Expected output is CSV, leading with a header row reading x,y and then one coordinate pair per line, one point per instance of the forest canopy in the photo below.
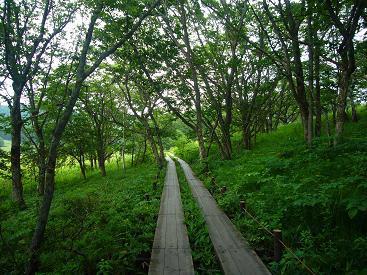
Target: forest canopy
x,y
90,82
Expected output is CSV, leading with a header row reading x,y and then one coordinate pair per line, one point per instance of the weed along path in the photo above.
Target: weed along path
x,y
234,254
171,253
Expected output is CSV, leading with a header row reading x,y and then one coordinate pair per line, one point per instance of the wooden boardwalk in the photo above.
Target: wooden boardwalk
x,y
171,253
234,254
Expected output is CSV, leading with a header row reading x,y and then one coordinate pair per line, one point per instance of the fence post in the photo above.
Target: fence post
x,y
223,189
243,206
278,247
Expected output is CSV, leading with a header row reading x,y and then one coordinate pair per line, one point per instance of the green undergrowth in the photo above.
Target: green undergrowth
x,y
317,196
101,225
203,254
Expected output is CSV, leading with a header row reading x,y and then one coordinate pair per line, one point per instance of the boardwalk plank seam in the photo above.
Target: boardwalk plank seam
x,y
233,251
171,253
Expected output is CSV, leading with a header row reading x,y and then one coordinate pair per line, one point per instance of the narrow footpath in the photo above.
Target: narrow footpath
x,y
234,253
171,253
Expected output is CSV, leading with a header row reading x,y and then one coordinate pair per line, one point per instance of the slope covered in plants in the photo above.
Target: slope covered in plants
x,y
317,196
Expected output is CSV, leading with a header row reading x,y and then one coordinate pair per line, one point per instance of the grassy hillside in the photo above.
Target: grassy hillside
x,y
99,225
318,196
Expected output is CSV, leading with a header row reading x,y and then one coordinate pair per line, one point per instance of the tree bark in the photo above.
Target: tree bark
x,y
101,155
16,137
82,168
159,141
152,144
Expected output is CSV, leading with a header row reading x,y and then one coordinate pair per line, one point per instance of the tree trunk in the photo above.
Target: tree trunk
x,y
44,210
145,149
246,137
92,163
16,136
328,130
41,176
42,155
101,163
82,168
123,160
189,57
132,154
226,143
353,105
317,96
159,141
152,143
310,74
341,105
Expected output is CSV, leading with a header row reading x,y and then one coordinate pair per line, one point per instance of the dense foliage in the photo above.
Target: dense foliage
x,y
214,81
316,196
96,226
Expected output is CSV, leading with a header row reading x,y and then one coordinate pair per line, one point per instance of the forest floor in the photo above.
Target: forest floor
x,y
98,225
317,196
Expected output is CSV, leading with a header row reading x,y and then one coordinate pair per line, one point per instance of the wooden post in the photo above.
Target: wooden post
x,y
223,189
146,196
243,206
278,247
212,180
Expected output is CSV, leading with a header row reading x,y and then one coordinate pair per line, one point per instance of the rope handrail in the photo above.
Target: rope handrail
x,y
281,242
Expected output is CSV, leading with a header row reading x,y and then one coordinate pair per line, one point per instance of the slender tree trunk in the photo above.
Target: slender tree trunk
x,y
82,168
353,105
310,74
83,161
341,105
317,96
159,141
41,176
226,143
132,154
123,159
16,136
328,128
44,210
92,162
101,163
101,150
42,154
305,123
189,57
246,137
145,149
152,143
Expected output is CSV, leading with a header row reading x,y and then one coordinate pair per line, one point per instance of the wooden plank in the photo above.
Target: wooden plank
x,y
171,253
233,251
